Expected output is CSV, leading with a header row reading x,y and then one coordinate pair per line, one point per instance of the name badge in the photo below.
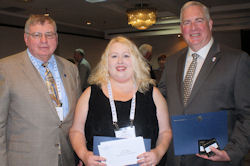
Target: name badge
x,y
125,132
59,111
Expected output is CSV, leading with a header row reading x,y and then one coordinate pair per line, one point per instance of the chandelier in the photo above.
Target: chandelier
x,y
141,18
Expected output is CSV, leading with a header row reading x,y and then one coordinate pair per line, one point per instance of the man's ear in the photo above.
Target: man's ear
x,y
25,36
210,24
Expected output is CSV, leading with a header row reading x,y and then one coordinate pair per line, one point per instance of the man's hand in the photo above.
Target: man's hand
x,y
220,155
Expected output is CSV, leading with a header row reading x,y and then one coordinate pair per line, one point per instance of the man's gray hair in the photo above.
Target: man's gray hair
x,y
145,48
195,3
81,51
39,19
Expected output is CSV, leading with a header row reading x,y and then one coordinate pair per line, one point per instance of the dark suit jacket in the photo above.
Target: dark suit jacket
x,y
30,129
223,84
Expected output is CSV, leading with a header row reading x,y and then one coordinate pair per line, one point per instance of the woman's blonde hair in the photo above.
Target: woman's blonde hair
x,y
100,75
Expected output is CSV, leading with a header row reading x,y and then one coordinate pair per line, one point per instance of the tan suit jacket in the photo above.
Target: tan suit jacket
x,y
30,130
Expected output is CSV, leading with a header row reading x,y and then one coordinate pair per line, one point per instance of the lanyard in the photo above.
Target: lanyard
x,y
113,108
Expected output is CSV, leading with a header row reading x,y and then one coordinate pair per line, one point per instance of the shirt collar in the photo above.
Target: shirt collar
x,y
39,63
203,51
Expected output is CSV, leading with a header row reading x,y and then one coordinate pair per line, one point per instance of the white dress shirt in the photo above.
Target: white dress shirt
x,y
202,56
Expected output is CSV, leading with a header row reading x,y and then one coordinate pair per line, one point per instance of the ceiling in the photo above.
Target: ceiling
x,y
109,17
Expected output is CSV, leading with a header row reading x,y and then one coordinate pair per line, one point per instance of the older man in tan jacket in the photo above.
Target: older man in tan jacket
x,y
38,94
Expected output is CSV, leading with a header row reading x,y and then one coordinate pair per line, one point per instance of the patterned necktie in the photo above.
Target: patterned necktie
x,y
189,78
51,85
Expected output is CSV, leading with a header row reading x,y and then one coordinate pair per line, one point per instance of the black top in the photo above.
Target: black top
x,y
99,119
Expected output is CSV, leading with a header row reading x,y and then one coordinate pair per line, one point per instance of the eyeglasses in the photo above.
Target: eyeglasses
x,y
38,35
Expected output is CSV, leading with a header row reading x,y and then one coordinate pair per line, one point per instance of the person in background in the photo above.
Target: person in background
x,y
38,95
83,67
122,77
221,81
146,51
161,62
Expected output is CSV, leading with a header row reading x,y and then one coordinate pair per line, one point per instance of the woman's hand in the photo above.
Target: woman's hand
x,y
90,159
148,158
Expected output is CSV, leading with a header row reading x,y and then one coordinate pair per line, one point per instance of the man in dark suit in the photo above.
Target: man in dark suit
x,y
220,81
38,95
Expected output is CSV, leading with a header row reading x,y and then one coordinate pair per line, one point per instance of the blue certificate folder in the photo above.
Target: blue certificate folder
x,y
99,139
188,129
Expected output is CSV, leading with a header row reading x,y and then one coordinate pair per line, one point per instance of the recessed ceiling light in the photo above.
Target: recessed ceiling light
x,y
88,23
46,12
26,1
95,1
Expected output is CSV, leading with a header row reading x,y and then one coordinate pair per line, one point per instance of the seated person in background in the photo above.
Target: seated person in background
x,y
121,76
161,62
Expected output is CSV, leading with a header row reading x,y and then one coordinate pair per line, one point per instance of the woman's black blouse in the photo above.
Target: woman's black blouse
x,y
99,118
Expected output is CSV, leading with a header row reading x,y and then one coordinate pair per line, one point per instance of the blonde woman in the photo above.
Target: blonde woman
x,y
122,77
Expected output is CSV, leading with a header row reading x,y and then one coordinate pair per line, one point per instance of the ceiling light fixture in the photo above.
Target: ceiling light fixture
x,y
141,17
46,12
88,23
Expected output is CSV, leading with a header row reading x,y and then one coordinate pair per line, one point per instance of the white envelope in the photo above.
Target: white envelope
x,y
122,152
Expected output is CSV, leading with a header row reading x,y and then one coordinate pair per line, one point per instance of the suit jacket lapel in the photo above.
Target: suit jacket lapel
x,y
212,58
65,79
180,72
36,80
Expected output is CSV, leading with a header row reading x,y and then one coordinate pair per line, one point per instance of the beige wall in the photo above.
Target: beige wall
x,y
11,41
171,43
162,44
93,47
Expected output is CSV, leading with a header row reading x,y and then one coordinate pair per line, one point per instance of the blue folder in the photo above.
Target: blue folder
x,y
99,139
188,129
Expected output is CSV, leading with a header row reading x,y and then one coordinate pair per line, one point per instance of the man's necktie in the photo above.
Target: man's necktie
x,y
51,85
189,78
